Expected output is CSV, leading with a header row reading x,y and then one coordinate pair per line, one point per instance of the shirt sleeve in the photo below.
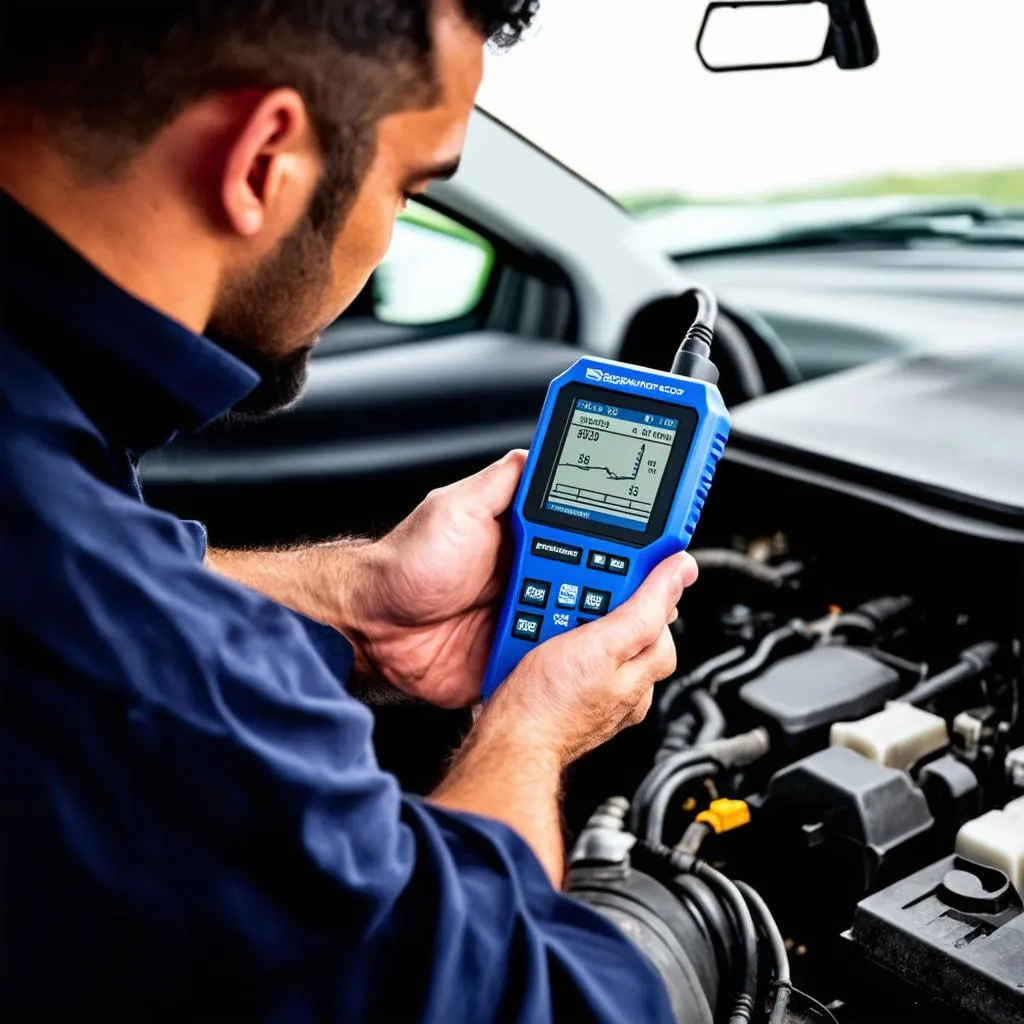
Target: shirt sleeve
x,y
335,650
203,831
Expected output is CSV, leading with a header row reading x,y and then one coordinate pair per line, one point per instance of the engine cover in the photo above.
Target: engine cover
x,y
798,698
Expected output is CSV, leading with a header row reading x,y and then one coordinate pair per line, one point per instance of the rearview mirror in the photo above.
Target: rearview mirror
x,y
753,35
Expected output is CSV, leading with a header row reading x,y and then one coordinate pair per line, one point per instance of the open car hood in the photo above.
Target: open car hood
x,y
940,433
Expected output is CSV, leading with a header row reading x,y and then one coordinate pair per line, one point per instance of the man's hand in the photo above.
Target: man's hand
x,y
419,605
439,576
564,698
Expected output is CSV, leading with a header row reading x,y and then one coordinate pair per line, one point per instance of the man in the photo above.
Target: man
x,y
194,825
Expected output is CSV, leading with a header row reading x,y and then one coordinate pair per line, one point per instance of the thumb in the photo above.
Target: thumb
x,y
494,487
637,623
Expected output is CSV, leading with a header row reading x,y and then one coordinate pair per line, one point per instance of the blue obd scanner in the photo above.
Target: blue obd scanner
x,y
618,472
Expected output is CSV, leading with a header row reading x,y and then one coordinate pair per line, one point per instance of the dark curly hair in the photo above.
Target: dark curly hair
x,y
104,76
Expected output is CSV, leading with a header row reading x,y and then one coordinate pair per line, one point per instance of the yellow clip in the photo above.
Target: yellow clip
x,y
724,814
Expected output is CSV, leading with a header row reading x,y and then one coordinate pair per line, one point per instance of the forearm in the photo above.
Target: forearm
x,y
324,581
518,784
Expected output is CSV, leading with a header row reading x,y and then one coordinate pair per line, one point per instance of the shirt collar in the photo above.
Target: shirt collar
x,y
141,376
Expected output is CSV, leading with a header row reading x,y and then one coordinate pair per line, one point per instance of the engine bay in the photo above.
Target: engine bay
x,y
843,745
864,539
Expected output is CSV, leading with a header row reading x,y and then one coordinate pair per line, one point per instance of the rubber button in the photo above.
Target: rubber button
x,y
595,602
618,565
526,626
556,550
535,593
597,560
567,596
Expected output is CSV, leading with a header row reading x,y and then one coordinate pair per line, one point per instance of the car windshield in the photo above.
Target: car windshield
x,y
616,93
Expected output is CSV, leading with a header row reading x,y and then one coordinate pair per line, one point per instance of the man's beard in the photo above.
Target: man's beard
x,y
282,379
257,317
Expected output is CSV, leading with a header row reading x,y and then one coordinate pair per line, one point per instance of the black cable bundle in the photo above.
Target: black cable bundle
x,y
749,915
737,910
654,794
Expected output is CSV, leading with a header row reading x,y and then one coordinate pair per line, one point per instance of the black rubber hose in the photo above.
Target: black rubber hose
x,y
693,838
712,719
657,777
715,919
872,615
780,1005
915,668
739,562
654,823
700,675
680,733
931,688
763,653
678,736
724,753
743,1007
972,663
783,984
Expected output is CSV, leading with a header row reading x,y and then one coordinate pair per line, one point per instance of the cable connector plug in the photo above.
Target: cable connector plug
x,y
692,359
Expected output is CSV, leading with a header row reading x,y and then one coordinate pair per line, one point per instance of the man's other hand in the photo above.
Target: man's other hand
x,y
437,586
564,698
578,689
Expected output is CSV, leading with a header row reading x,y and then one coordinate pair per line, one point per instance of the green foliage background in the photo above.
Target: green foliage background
x,y
1004,186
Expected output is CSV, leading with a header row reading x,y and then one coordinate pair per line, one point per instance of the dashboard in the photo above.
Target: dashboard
x,y
837,308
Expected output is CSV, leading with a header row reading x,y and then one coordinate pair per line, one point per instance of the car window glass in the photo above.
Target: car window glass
x,y
435,270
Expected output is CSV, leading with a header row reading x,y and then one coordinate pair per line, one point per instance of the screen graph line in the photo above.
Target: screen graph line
x,y
637,463
619,455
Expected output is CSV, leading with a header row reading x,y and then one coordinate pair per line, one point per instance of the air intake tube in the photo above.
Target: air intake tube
x,y
667,922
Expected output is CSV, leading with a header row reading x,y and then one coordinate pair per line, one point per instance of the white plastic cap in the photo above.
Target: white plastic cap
x,y
997,840
897,737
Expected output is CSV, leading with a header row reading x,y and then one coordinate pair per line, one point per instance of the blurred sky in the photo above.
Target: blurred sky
x,y
614,89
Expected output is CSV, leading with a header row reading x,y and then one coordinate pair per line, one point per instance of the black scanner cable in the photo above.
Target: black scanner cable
x,y
692,358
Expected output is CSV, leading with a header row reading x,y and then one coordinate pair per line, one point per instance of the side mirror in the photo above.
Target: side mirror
x,y
753,35
435,270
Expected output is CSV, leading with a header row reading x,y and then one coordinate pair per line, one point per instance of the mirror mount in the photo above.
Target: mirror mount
x,y
849,39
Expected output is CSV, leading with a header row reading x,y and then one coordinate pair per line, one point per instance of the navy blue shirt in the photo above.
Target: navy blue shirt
x,y
193,822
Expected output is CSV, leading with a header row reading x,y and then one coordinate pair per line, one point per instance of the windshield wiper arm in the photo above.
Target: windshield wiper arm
x,y
967,221
977,210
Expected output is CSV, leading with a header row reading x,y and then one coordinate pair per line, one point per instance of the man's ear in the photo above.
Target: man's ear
x,y
272,166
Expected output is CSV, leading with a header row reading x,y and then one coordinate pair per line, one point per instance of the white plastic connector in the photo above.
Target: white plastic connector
x,y
897,737
1015,768
997,840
